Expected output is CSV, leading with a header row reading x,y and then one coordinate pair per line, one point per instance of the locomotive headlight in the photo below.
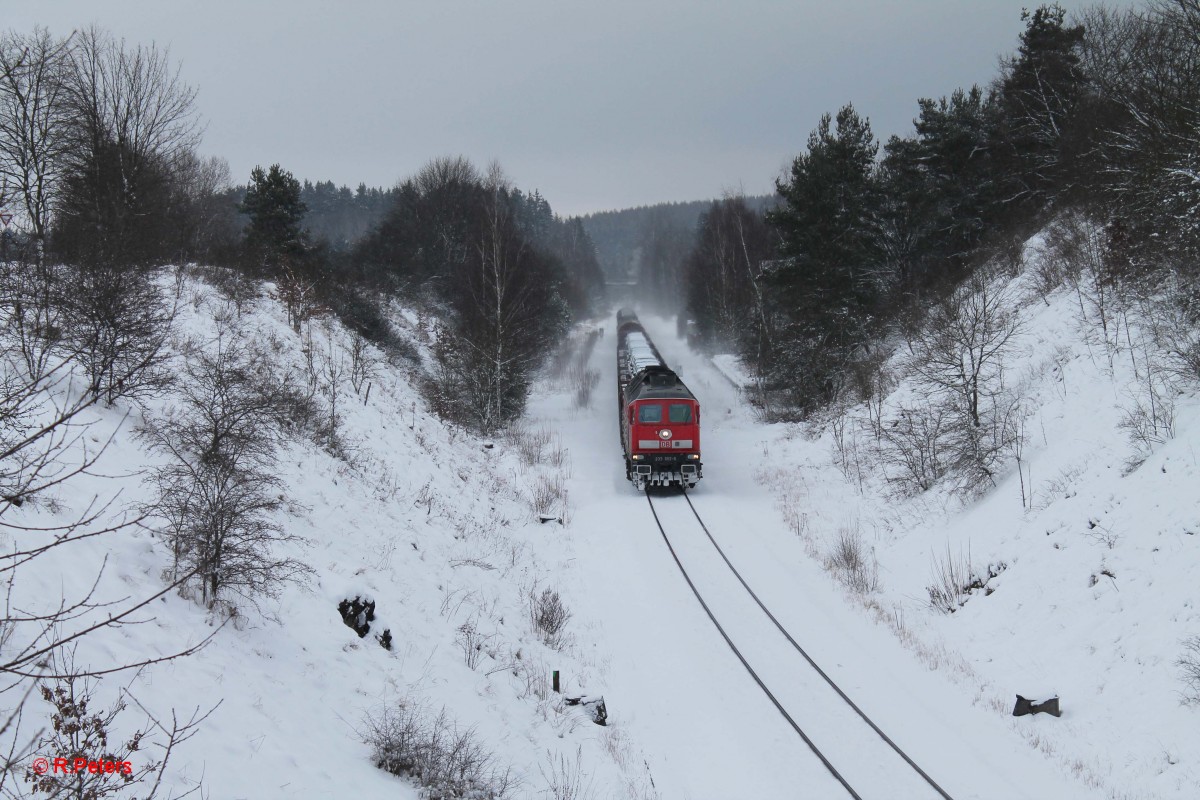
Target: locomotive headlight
x,y
636,457
694,456
665,433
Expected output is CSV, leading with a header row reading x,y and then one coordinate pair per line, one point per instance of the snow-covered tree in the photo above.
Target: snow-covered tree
x,y
1040,90
829,279
217,492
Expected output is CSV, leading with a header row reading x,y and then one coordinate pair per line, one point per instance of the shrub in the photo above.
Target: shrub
x,y
949,578
851,564
217,492
79,730
407,741
585,381
1189,665
471,641
1149,420
955,580
548,498
567,779
535,446
549,615
915,443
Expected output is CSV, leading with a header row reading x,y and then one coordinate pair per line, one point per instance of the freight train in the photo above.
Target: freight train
x,y
660,417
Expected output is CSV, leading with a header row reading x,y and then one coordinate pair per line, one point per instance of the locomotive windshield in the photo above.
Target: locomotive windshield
x,y
680,413
649,413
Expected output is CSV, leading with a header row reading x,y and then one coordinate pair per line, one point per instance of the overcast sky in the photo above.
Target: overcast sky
x,y
599,105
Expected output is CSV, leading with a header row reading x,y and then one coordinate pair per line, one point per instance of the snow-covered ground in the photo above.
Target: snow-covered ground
x,y
441,532
431,524
1094,604
672,682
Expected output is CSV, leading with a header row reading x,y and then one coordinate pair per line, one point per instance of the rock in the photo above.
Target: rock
x,y
594,706
358,614
1025,706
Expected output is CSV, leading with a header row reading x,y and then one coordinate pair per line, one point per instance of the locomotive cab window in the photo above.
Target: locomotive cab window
x,y
680,413
650,414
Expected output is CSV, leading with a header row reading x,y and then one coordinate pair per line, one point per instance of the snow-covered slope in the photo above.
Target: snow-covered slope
x,y
436,526
443,532
1098,536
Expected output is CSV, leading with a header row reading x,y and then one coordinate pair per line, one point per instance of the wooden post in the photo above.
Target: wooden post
x,y
555,679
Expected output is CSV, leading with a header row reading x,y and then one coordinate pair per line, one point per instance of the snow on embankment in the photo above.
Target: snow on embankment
x,y
437,528
731,368
1068,562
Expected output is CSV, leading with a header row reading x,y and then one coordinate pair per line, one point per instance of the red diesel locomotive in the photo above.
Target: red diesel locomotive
x,y
660,417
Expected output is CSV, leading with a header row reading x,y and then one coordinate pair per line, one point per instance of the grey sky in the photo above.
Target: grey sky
x,y
605,104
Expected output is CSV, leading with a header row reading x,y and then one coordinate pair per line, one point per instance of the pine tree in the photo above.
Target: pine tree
x,y
829,279
1038,97
274,236
941,190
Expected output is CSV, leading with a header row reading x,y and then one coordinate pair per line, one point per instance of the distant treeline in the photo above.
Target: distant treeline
x,y
340,216
337,216
646,241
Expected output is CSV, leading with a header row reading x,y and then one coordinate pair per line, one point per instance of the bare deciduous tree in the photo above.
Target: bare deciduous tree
x,y
33,126
362,365
132,128
31,296
914,444
505,310
328,370
962,350
218,492
118,323
726,298
496,296
299,296
57,326
209,228
959,359
46,440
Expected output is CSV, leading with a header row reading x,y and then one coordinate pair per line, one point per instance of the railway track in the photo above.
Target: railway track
x,y
814,706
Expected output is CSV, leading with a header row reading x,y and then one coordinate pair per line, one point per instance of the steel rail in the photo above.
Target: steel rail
x,y
795,726
809,658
